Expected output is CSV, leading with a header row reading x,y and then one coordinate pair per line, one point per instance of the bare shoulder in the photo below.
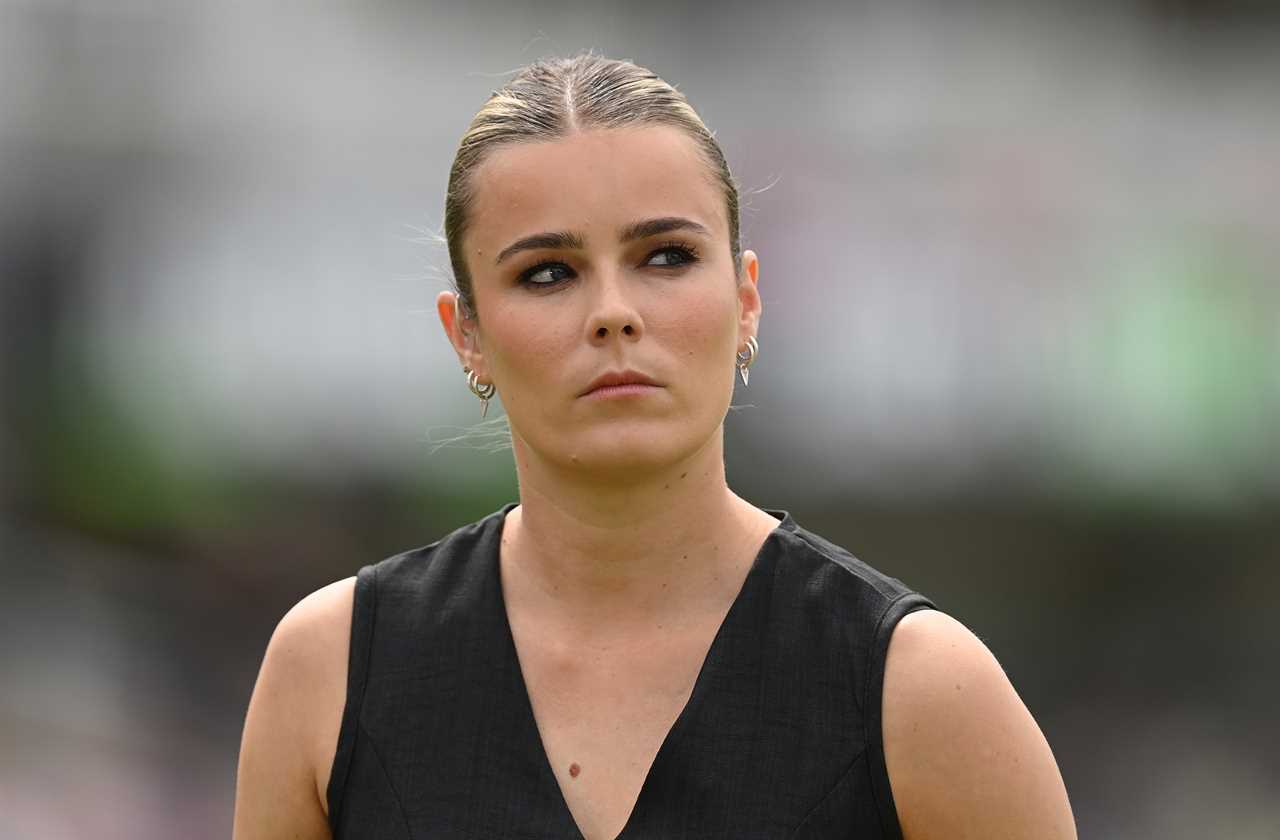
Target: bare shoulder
x,y
315,633
965,757
291,729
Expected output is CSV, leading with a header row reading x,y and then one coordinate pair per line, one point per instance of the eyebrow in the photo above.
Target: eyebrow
x,y
573,241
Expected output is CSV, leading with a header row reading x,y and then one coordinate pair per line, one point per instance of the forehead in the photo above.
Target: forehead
x,y
591,182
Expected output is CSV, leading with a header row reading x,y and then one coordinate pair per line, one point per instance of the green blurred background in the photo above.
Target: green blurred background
x,y
1021,349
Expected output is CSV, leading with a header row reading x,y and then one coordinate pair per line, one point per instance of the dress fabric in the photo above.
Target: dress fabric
x,y
780,737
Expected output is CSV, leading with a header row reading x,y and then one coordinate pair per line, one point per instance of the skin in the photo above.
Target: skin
x,y
628,546
965,757
635,480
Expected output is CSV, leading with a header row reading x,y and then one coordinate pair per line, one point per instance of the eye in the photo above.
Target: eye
x,y
673,255
545,274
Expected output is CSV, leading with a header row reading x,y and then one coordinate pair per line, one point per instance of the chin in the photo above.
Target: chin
x,y
628,449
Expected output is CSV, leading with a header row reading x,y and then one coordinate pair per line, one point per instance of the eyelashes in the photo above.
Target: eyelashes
x,y
687,254
554,273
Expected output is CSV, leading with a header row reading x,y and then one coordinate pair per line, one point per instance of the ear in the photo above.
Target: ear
x,y
749,303
462,330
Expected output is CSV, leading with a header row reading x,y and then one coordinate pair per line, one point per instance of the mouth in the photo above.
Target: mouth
x,y
621,383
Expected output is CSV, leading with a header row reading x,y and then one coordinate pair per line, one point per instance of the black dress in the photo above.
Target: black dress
x,y
780,737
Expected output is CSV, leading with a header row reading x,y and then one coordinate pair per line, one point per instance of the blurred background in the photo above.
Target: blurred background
x,y
1021,349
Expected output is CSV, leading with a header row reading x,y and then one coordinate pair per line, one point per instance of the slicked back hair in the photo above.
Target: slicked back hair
x,y
554,98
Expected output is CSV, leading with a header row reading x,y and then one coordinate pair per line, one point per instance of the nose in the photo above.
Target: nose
x,y
613,314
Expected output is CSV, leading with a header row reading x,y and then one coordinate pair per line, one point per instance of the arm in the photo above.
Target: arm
x,y
965,757
291,729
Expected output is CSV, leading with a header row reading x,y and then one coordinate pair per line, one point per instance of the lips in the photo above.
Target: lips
x,y
625,377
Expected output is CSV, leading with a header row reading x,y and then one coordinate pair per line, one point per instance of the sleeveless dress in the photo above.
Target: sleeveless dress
x,y
780,737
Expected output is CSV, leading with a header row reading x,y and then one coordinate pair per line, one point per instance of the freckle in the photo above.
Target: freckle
x,y
684,557
666,487
683,474
574,770
957,686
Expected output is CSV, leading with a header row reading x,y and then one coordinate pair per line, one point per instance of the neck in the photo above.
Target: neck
x,y
665,541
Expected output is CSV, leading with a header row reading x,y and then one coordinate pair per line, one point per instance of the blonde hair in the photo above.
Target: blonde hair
x,y
554,98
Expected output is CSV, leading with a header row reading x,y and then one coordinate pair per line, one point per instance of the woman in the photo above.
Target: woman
x,y
632,650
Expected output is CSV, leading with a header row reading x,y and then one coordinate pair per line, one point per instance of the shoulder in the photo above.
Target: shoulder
x,y
965,758
825,562
291,728
310,649
312,638
413,572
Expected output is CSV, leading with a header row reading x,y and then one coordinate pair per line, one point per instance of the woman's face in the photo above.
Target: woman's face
x,y
600,253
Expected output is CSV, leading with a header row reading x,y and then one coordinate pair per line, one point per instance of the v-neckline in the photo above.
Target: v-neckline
x,y
516,671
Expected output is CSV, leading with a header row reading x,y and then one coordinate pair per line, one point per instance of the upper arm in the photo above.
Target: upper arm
x,y
965,758
291,729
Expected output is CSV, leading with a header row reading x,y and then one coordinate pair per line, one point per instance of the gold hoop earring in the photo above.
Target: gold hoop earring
x,y
484,391
746,357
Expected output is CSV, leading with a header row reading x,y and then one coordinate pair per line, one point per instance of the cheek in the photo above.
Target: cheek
x,y
524,347
702,326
